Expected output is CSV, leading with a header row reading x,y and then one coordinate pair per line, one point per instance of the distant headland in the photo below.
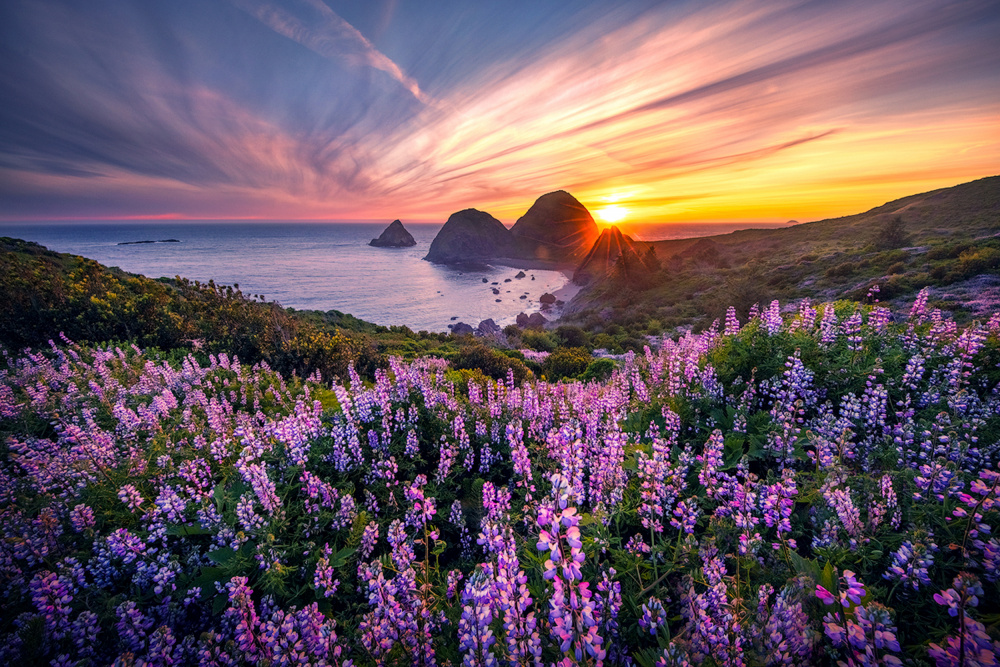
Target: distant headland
x,y
150,241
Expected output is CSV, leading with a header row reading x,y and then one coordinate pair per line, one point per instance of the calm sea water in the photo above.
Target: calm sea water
x,y
323,266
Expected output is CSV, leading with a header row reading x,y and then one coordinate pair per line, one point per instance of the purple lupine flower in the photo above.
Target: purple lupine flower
x,y
81,518
571,615
475,638
653,616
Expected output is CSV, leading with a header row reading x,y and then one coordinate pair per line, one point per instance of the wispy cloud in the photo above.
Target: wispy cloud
x,y
317,27
738,109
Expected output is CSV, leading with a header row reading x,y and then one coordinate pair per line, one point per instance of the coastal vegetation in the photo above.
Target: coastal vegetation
x,y
944,240
800,489
192,475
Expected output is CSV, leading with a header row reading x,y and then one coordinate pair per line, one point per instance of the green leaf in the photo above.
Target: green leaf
x,y
219,494
188,531
828,578
732,452
807,566
339,559
222,556
439,547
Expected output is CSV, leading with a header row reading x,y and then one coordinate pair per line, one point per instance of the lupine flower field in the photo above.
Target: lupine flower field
x,y
818,486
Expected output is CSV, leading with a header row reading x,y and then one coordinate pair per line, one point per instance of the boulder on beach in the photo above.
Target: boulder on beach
x,y
547,298
470,236
394,236
488,328
520,274
462,329
557,228
521,320
536,320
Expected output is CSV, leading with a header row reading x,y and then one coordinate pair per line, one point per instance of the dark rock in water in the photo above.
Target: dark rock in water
x,y
557,227
532,277
454,318
536,320
494,283
523,296
506,280
488,328
522,320
394,236
470,236
462,329
485,280
547,298
520,274
496,291
499,300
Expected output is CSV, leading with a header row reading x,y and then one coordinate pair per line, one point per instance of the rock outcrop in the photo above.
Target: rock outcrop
x,y
557,228
462,329
394,236
470,236
615,252
488,328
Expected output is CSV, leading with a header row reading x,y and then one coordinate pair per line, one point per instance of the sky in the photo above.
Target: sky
x,y
415,109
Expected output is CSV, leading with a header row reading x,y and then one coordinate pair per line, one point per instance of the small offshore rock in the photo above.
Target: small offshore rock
x,y
394,236
520,274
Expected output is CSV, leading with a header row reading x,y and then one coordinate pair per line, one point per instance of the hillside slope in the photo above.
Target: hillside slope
x,y
948,240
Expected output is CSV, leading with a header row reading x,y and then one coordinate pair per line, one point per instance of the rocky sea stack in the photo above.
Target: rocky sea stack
x,y
556,228
470,236
394,236
614,251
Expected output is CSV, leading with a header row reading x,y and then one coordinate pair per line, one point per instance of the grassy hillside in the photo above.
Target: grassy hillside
x,y
45,295
946,240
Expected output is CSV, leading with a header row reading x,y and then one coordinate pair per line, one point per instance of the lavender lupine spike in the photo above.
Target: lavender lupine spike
x,y
475,638
571,615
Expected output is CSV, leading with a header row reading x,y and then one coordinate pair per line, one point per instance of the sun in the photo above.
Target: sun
x,y
613,213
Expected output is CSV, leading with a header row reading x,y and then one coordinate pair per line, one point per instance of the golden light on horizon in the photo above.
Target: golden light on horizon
x,y
612,213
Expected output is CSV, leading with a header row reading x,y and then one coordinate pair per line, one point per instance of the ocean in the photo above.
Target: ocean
x,y
326,265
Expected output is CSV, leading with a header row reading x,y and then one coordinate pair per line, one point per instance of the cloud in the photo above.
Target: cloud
x,y
697,111
315,26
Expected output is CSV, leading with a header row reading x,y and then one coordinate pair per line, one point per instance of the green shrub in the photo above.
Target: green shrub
x,y
599,370
566,362
542,341
490,362
571,336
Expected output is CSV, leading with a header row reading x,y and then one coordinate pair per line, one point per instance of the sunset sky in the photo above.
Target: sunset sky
x,y
413,109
